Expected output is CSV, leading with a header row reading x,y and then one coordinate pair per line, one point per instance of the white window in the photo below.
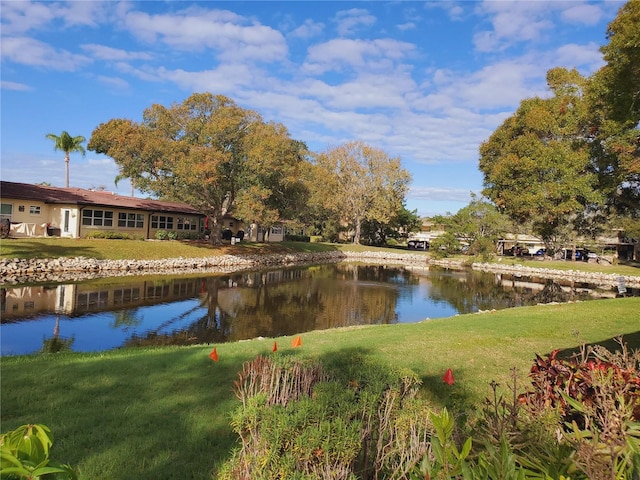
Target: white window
x,y
162,222
34,209
97,218
277,230
186,223
131,220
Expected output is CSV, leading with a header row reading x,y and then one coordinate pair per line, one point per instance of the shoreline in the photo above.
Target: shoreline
x,y
17,271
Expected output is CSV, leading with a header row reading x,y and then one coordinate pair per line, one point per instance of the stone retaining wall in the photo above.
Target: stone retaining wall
x,y
17,271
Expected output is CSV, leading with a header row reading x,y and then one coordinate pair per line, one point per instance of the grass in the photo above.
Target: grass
x,y
163,413
104,249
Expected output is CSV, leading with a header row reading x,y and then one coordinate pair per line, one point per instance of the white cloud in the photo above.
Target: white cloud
x,y
20,17
14,86
574,55
348,21
114,82
439,194
103,52
233,37
308,29
512,22
76,13
339,53
587,14
406,26
29,51
226,79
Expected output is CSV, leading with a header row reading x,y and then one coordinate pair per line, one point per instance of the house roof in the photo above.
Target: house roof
x,y
84,198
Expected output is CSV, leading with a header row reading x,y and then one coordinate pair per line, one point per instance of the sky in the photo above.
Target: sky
x,y
427,82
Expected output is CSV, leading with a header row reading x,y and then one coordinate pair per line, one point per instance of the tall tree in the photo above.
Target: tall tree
x,y
536,165
207,152
615,117
359,182
68,144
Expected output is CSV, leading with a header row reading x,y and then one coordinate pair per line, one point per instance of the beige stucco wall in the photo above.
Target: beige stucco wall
x,y
25,223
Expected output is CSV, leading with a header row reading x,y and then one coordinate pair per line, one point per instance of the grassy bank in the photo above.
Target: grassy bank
x,y
103,249
163,413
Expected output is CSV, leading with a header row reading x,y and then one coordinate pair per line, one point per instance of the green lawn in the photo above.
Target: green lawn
x,y
103,249
163,413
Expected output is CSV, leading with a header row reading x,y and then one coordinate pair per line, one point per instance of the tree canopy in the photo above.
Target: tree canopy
x,y
615,113
359,182
210,153
536,165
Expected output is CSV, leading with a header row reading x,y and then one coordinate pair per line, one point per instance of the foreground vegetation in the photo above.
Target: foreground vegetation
x,y
165,413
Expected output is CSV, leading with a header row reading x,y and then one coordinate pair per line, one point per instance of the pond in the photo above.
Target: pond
x,y
137,311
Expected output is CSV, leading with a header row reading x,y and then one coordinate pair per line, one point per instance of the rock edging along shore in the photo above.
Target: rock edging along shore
x,y
16,271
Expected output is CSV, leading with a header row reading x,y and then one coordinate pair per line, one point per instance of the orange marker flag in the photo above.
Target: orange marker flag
x,y
296,342
275,347
448,377
214,355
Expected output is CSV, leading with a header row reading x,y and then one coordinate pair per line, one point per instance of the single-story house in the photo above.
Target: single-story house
x,y
37,210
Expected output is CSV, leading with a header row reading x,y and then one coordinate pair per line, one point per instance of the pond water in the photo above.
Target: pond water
x,y
137,311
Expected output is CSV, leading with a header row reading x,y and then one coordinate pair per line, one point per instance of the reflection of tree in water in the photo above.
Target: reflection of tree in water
x,y
469,290
127,318
553,292
285,302
56,344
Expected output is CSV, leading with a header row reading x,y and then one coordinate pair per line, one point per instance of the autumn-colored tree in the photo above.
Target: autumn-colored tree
x,y
67,144
536,165
210,153
358,182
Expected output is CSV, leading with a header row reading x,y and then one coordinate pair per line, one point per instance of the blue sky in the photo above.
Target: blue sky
x,y
424,81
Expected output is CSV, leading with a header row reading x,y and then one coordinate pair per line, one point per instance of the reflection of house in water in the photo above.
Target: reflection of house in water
x,y
71,300
77,299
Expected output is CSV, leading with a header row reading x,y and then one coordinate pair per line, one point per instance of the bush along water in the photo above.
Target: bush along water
x,y
350,418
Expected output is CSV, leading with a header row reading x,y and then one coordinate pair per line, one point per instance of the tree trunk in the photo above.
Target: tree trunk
x,y
66,170
356,236
215,235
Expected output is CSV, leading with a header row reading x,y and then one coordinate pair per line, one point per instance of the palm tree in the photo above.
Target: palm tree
x,y
67,144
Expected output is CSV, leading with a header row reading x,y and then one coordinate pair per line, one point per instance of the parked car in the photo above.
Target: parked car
x,y
418,245
541,252
517,251
581,254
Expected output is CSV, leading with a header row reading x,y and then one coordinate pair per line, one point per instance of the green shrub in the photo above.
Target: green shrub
x,y
161,235
298,238
351,418
303,420
25,455
444,245
109,235
391,242
171,235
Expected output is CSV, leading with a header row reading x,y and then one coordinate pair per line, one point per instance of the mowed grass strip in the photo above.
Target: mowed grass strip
x,y
164,412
